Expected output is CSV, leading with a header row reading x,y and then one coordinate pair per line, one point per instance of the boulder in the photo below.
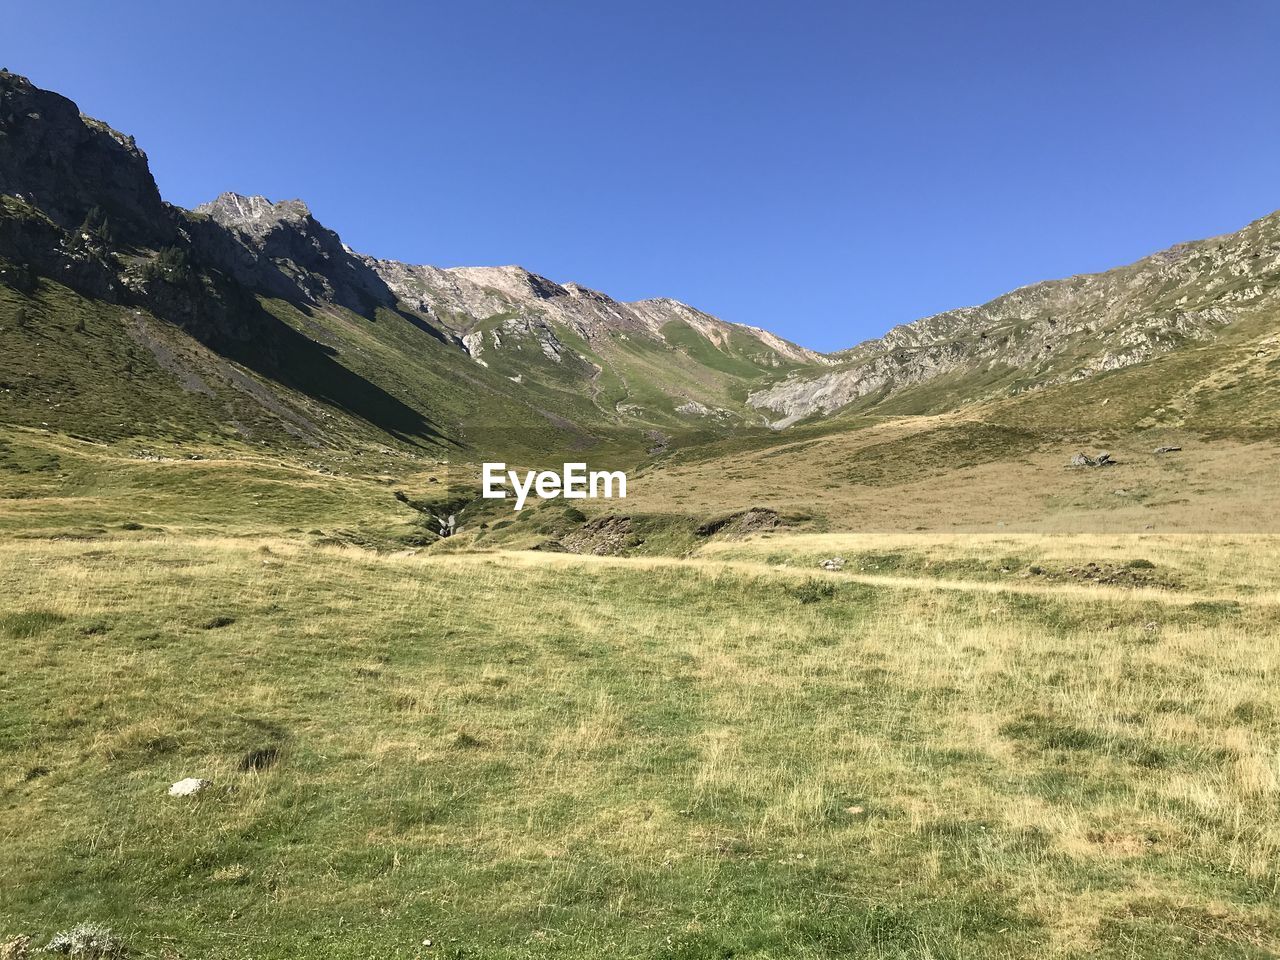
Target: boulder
x,y
833,564
189,787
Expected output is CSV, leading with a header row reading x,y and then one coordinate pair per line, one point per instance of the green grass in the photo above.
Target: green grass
x,y
961,747
526,756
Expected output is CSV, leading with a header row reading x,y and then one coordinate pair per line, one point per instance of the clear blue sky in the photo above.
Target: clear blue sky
x,y
823,169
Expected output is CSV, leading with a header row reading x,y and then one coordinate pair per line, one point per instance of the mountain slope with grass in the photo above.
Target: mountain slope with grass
x,y
250,321
1007,461
1055,332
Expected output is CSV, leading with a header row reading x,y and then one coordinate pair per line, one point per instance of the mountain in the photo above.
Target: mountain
x,y
251,320
1058,331
247,320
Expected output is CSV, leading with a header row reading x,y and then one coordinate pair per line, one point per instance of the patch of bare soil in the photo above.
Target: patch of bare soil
x,y
603,537
735,525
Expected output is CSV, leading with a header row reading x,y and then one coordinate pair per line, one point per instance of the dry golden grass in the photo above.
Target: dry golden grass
x,y
519,754
873,479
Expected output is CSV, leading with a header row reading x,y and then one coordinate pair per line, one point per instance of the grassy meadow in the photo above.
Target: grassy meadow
x,y
936,752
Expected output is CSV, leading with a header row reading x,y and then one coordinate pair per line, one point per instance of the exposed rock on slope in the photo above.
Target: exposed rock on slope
x,y
1059,330
280,248
458,296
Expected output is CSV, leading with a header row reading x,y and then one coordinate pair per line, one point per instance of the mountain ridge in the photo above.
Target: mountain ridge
x,y
258,218
1135,312
493,355
339,344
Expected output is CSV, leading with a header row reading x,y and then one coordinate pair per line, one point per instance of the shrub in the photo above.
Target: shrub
x,y
96,227
172,265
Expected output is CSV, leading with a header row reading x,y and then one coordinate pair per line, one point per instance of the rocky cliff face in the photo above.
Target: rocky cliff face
x,y
281,249
66,164
1057,331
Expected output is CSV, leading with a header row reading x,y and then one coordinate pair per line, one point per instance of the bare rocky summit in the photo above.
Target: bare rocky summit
x,y
457,294
282,249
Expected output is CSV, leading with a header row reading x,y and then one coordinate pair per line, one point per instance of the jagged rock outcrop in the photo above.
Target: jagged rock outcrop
x,y
281,249
66,164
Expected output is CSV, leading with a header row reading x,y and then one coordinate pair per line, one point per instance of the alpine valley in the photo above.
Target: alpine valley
x,y
960,643
246,326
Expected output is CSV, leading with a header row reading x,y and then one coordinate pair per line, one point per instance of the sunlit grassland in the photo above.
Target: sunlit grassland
x,y
952,473
520,755
1181,568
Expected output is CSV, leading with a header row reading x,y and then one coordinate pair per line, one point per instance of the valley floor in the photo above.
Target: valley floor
x,y
957,746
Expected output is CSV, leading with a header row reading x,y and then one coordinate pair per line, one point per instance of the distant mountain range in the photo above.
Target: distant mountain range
x,y
248,320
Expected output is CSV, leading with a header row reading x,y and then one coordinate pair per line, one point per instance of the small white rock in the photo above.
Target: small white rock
x,y
189,787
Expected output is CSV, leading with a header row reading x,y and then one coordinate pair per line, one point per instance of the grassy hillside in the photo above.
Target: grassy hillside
x,y
307,379
1052,333
1004,462
107,372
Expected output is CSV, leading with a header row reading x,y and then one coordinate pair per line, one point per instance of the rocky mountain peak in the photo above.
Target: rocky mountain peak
x,y
279,247
255,216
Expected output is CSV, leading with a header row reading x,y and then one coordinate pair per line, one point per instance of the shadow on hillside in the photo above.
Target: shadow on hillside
x,y
422,325
239,328
298,362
